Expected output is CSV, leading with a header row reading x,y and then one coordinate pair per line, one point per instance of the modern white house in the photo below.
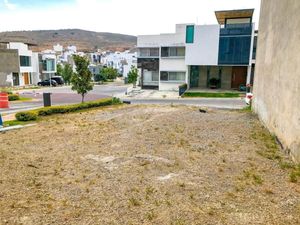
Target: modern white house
x,y
26,69
47,62
122,61
202,56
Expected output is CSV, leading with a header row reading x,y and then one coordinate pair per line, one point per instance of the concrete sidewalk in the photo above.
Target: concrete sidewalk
x,y
138,93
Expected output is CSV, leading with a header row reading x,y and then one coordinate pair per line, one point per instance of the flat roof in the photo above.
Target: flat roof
x,y
237,13
19,41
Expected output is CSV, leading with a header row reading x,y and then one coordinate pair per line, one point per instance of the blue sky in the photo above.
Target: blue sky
x,y
118,16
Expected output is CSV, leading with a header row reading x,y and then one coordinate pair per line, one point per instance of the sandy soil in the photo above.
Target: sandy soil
x,y
146,165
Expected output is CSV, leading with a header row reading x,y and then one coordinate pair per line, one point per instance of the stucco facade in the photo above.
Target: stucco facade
x,y
202,56
277,76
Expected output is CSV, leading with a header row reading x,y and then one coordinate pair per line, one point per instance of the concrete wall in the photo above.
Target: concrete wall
x,y
205,49
9,61
277,75
226,77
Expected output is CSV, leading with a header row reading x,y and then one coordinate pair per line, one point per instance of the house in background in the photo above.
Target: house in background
x,y
24,66
121,61
47,64
203,56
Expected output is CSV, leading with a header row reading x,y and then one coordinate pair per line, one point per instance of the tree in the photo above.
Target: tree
x,y
81,80
67,73
109,73
133,75
59,69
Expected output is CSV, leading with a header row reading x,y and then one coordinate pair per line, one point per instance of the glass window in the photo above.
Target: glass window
x,y
144,52
177,76
172,76
164,76
164,52
25,61
49,65
172,51
181,51
190,34
154,52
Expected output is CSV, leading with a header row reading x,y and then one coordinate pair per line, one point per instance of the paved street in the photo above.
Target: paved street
x,y
64,95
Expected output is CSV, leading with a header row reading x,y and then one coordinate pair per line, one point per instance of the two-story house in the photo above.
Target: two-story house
x,y
202,56
24,70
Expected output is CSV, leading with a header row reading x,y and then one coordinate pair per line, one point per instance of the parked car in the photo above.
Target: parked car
x,y
47,83
59,80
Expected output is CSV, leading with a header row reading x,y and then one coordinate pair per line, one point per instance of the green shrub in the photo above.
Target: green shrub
x,y
47,111
13,97
26,116
183,86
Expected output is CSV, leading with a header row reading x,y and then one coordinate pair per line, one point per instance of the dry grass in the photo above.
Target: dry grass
x,y
146,165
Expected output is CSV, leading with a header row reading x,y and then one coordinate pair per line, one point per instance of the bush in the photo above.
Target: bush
x,y
183,86
47,111
26,116
13,97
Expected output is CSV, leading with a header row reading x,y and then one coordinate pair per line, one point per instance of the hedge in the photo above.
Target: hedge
x,y
26,116
13,97
46,111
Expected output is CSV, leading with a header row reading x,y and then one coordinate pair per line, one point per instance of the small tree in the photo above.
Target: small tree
x,y
67,73
59,69
82,80
133,75
109,73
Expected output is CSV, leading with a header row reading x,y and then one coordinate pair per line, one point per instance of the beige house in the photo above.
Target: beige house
x,y
277,77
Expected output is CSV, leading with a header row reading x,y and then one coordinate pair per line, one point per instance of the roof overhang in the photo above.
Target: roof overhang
x,y
239,13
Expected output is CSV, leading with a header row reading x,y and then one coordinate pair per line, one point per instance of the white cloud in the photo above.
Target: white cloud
x,y
9,5
118,16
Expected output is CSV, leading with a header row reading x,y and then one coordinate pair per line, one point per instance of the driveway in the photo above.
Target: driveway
x,y
138,96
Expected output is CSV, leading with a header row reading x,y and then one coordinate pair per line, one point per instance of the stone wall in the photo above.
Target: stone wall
x,y
277,75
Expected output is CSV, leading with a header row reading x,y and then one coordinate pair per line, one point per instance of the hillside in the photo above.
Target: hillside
x,y
84,40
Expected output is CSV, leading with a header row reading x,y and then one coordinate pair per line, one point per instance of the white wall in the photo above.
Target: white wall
x,y
205,49
148,41
172,64
169,40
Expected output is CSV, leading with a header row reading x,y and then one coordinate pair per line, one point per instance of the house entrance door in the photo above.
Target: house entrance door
x,y
239,76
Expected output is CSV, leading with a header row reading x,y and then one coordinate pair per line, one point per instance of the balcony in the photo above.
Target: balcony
x,y
173,52
148,53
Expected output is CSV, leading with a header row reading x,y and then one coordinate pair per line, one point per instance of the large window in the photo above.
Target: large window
x,y
190,34
148,52
172,51
172,76
25,61
49,65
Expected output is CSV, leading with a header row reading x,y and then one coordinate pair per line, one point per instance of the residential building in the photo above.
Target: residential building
x,y
130,59
95,70
21,67
47,64
277,76
121,61
203,56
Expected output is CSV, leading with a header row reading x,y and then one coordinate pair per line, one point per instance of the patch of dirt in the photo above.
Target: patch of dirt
x,y
146,165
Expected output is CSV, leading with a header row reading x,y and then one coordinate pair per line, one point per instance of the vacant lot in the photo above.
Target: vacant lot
x,y
146,165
